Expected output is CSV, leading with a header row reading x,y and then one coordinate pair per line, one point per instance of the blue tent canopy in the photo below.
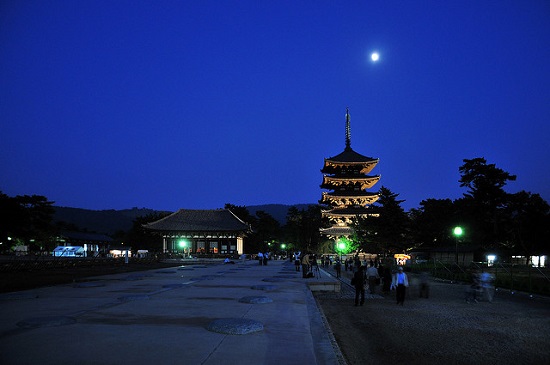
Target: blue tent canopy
x,y
68,251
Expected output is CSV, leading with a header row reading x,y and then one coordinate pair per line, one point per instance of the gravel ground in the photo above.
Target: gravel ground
x,y
514,329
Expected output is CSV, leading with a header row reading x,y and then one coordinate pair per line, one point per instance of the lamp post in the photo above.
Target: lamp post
x,y
183,246
458,232
341,247
283,248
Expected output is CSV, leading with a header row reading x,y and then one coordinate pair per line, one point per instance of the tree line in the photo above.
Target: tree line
x,y
491,218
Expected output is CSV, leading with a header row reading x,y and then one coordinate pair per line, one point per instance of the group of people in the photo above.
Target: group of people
x,y
307,262
482,285
263,258
369,276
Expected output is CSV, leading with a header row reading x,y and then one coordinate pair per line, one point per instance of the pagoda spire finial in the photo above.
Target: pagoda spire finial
x,y
348,131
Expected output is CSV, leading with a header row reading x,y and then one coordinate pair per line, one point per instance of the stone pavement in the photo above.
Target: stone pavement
x,y
192,314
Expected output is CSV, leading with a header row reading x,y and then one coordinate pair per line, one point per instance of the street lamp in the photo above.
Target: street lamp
x,y
283,247
183,245
341,247
458,232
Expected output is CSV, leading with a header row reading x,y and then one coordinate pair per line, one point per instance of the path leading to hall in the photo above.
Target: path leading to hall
x,y
193,314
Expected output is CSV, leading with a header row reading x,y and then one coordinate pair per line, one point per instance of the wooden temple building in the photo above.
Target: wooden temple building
x,y
201,232
347,178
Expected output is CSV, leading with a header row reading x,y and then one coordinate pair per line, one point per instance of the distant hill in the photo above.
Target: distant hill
x,y
100,221
277,211
110,221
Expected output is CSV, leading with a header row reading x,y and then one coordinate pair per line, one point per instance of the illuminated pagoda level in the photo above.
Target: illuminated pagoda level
x,y
346,176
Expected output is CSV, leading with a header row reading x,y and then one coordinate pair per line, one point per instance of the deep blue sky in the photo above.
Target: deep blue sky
x,y
194,104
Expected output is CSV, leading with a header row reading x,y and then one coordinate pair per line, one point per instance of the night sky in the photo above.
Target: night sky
x,y
194,104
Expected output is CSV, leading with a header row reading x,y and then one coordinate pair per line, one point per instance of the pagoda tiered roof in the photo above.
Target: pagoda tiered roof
x,y
349,158
365,182
348,211
348,198
337,231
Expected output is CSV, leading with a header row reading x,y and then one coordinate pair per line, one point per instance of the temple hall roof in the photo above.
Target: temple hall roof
x,y
199,221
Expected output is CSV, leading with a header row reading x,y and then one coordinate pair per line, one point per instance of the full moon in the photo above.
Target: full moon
x,y
375,56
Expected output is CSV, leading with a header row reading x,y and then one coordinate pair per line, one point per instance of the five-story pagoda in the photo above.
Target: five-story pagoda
x,y
346,176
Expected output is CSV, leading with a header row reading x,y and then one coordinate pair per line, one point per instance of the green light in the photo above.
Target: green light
x,y
182,243
283,246
341,245
457,231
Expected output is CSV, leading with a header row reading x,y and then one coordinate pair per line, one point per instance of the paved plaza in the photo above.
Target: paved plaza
x,y
239,313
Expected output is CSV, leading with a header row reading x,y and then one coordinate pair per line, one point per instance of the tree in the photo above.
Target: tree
x,y
387,232
267,230
529,223
28,220
241,212
302,227
431,222
484,181
485,198
140,238
253,242
344,246
9,213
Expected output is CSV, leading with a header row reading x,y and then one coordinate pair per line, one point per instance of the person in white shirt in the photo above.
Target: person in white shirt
x,y
261,258
400,282
297,263
372,276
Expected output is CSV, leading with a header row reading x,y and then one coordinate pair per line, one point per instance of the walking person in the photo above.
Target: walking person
x,y
314,265
338,268
305,265
356,263
358,281
297,261
372,276
400,282
486,282
473,289
424,284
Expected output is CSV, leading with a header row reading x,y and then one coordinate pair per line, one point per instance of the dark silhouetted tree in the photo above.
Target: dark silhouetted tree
x,y
386,233
302,228
266,231
431,224
140,238
528,226
242,213
485,199
28,220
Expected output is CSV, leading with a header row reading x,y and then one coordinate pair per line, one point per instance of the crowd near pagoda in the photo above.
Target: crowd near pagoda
x,y
347,178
